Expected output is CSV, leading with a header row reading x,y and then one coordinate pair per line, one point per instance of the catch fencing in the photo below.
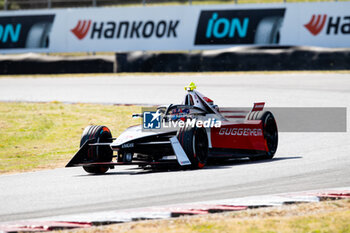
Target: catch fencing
x,y
42,4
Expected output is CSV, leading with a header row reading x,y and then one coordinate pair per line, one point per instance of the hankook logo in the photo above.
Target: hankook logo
x,y
125,29
81,29
316,24
334,25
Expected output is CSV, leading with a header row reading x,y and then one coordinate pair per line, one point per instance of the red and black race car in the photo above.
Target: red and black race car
x,y
187,135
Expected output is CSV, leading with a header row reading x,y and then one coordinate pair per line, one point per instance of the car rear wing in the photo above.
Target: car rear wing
x,y
258,106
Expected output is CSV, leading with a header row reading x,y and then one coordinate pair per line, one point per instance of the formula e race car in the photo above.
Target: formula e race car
x,y
186,135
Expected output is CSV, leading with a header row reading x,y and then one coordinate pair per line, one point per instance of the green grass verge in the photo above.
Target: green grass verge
x,y
46,135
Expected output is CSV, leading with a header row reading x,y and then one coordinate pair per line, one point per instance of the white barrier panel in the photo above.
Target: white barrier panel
x,y
175,27
317,24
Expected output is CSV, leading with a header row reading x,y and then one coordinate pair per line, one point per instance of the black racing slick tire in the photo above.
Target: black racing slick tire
x,y
194,141
270,133
99,134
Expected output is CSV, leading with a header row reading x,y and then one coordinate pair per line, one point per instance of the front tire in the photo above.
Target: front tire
x,y
99,134
194,141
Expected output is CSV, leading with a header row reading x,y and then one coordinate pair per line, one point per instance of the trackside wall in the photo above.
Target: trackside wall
x,y
175,28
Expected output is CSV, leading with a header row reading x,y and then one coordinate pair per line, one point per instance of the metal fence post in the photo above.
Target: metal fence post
x,y
144,2
48,3
190,2
5,5
94,3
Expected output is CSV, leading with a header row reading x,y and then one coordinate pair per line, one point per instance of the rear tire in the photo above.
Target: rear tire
x,y
100,134
194,141
270,132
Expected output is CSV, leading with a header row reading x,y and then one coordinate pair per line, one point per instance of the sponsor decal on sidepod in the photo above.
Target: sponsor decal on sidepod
x,y
240,132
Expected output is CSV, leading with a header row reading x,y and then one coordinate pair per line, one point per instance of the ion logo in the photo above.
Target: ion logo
x,y
316,24
239,27
81,29
151,120
29,31
10,32
223,27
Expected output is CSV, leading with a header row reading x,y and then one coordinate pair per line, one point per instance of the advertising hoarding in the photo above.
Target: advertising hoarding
x,y
175,28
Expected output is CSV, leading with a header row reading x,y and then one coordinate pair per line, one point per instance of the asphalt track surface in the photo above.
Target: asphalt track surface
x,y
304,161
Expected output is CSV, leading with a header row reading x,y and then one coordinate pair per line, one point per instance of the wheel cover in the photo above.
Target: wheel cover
x,y
103,153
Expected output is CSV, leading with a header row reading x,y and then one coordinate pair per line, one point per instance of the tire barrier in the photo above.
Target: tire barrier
x,y
237,59
45,64
234,59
